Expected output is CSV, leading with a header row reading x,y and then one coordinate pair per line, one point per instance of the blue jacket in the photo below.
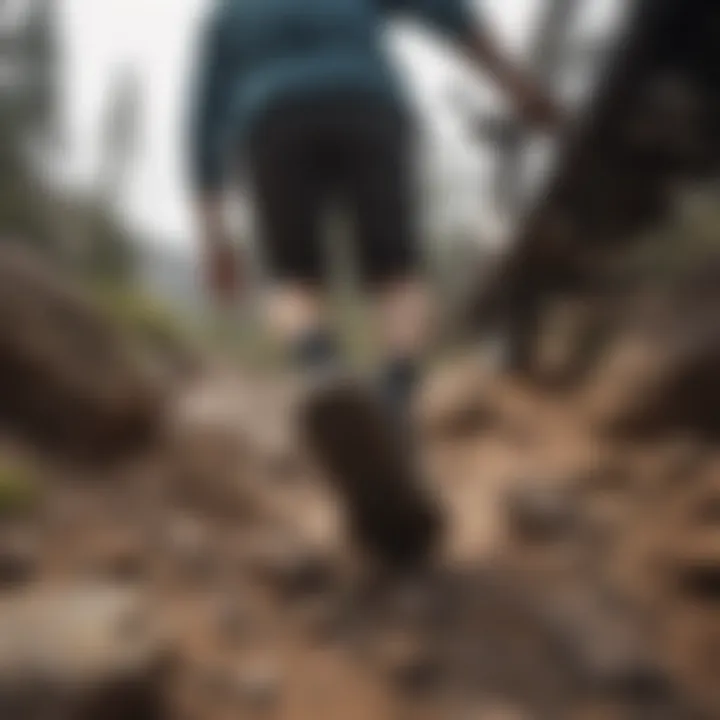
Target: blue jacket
x,y
257,53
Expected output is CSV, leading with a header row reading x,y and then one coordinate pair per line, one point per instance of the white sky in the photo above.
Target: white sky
x,y
154,38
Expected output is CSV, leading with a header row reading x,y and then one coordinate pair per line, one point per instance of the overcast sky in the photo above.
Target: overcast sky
x,y
154,38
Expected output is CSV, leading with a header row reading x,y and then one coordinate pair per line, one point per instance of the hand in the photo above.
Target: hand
x,y
534,106
223,272
538,109
222,265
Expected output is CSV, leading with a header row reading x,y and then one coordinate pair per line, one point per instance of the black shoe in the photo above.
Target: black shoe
x,y
391,514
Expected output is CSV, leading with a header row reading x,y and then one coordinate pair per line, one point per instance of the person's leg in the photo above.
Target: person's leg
x,y
297,319
341,422
397,509
289,194
403,318
384,198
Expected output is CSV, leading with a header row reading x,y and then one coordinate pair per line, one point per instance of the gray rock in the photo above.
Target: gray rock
x,y
458,403
187,542
231,620
327,619
19,559
96,397
119,557
259,684
92,648
292,568
408,662
495,710
542,513
606,646
683,458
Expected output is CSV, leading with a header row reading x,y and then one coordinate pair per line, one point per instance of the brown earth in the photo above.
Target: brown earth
x,y
206,575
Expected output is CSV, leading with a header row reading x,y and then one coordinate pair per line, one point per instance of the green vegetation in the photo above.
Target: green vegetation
x,y
140,314
19,488
682,245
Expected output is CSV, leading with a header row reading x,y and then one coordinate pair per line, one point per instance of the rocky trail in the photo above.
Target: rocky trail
x,y
202,571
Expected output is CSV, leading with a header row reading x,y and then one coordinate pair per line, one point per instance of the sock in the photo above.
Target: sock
x,y
399,380
314,350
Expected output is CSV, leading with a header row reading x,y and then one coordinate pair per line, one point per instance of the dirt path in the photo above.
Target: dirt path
x,y
558,594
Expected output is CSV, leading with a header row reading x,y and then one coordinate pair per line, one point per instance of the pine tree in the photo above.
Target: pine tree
x,y
28,58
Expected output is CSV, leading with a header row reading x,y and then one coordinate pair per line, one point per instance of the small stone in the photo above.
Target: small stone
x,y
326,619
215,681
542,514
292,569
683,459
456,404
119,557
675,390
18,560
695,569
415,599
282,468
495,710
606,647
612,474
231,620
707,510
280,458
188,544
259,684
408,663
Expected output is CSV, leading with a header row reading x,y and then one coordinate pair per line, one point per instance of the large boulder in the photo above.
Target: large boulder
x,y
663,384
67,375
81,654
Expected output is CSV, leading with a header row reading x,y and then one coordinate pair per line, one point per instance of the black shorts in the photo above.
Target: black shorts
x,y
348,152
